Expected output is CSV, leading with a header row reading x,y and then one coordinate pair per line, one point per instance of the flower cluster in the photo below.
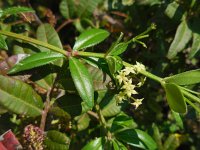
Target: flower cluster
x,y
33,138
128,81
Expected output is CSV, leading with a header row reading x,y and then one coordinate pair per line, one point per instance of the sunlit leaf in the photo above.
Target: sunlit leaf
x,y
174,11
19,97
175,98
15,10
90,38
95,144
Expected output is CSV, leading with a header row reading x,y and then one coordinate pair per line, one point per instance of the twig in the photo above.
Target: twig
x,y
45,111
64,24
93,114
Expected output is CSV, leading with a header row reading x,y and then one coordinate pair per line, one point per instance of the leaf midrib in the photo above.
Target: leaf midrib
x,y
28,104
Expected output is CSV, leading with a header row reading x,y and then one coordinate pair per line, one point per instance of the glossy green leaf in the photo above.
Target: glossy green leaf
x,y
119,48
56,141
174,11
118,145
115,63
122,121
175,98
195,45
185,78
82,81
47,33
94,145
90,38
19,97
86,8
137,138
67,8
15,10
36,60
182,37
3,44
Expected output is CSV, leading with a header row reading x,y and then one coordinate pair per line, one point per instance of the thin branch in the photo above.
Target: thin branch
x,y
93,114
45,111
64,24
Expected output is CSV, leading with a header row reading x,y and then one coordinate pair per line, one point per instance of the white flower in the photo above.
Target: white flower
x,y
129,70
129,92
120,97
139,67
121,77
137,103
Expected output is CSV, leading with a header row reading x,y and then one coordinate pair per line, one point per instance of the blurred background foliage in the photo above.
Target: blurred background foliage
x,y
172,48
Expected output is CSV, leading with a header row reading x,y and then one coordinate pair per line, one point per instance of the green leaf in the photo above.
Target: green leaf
x,y
185,78
118,145
175,98
182,37
96,144
35,60
47,33
100,78
19,97
122,121
85,8
178,119
3,44
15,10
82,81
67,8
56,140
119,48
90,38
82,121
172,142
174,11
195,45
115,63
137,138
109,106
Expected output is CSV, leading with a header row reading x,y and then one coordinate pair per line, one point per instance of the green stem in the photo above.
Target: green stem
x,y
145,73
190,96
90,54
34,41
80,53
188,90
193,105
